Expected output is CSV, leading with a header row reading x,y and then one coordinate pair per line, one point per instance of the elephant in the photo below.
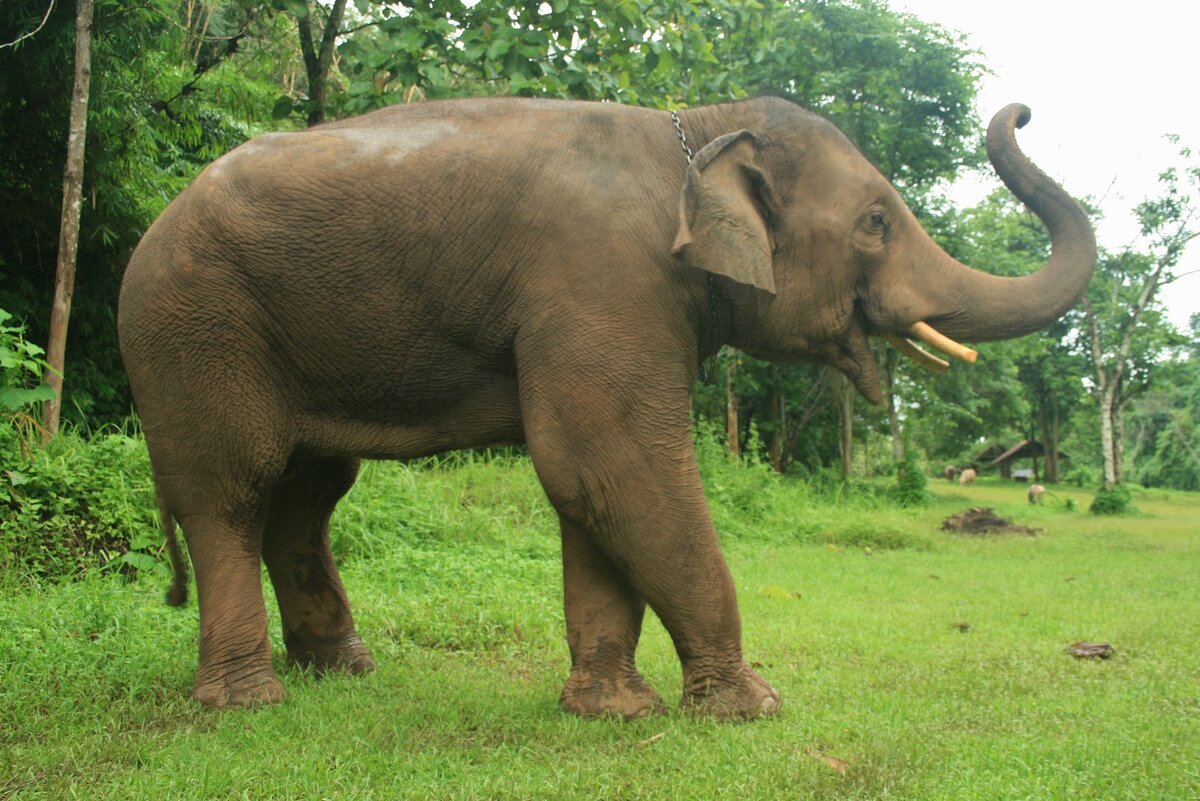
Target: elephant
x,y
966,477
475,272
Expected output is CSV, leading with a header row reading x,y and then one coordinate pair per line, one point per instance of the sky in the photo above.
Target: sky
x,y
1106,83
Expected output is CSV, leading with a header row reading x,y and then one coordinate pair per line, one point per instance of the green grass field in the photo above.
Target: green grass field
x,y
913,663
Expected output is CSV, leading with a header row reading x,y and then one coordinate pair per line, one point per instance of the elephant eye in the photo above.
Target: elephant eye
x,y
879,223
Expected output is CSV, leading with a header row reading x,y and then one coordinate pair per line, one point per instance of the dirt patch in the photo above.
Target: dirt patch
x,y
980,521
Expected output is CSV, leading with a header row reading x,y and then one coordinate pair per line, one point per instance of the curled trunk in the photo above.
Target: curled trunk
x,y
979,307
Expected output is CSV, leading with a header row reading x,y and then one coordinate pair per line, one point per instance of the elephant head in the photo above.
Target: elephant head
x,y
797,213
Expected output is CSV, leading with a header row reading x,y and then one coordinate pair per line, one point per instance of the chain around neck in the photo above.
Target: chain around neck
x,y
687,150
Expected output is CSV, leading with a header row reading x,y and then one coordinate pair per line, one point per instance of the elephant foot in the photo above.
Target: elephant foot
x,y
346,655
740,694
255,689
593,694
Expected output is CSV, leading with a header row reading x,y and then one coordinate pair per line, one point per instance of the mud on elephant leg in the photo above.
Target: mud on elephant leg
x,y
318,628
604,620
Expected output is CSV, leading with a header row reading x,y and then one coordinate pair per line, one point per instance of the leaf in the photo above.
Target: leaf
x,y
282,108
13,398
498,48
137,560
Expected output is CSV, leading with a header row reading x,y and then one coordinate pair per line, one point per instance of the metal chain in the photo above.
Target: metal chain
x,y
687,151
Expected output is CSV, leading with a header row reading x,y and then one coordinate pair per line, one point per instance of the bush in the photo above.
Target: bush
x,y
74,504
21,370
909,490
1081,476
1113,501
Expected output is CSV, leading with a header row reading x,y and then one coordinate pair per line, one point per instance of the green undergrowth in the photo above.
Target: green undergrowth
x,y
75,504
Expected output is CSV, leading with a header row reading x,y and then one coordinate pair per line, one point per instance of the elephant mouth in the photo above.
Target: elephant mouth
x,y
935,339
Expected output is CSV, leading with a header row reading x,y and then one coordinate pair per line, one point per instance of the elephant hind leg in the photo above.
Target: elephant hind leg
x,y
218,491
235,653
604,621
318,628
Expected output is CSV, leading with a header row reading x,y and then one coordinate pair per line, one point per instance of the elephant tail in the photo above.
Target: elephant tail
x,y
178,591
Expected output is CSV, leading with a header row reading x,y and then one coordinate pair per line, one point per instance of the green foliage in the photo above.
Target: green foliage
x,y
902,89
671,52
1115,501
21,371
909,489
76,504
1082,475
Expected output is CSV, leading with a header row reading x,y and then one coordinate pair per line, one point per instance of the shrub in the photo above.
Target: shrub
x,y
1081,476
909,490
1113,501
21,371
74,504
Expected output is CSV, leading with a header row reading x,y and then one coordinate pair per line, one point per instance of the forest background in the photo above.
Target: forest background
x,y
176,83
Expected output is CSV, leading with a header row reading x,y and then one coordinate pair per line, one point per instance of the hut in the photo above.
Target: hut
x,y
1029,449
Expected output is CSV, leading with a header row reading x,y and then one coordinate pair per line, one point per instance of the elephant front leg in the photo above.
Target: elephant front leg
x,y
625,474
604,620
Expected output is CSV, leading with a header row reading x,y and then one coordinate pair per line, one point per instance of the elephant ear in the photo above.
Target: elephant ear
x,y
725,213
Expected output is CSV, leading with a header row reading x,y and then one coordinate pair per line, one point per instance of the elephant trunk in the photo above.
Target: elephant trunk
x,y
981,307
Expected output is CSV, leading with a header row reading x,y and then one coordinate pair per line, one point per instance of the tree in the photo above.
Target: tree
x,y
318,51
68,238
1166,421
1126,330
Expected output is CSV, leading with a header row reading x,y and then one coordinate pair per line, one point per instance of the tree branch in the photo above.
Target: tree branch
x,y
25,36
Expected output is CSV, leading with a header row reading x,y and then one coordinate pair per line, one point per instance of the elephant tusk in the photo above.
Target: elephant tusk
x,y
930,336
926,360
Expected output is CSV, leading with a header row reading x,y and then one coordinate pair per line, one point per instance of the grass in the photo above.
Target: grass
x,y
914,664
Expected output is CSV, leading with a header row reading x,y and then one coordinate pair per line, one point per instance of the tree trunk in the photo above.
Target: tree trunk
x,y
1052,440
68,233
1119,436
318,58
844,393
731,410
1044,426
890,360
1106,436
778,416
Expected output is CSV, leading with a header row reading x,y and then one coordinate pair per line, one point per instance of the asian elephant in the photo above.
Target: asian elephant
x,y
466,273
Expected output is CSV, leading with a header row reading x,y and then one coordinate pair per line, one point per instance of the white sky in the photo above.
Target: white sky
x,y
1105,83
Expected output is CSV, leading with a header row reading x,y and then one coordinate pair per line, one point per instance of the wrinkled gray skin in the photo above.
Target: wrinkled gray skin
x,y
460,274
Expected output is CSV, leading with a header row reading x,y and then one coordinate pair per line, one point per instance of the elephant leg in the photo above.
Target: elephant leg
x,y
318,628
612,447
604,621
